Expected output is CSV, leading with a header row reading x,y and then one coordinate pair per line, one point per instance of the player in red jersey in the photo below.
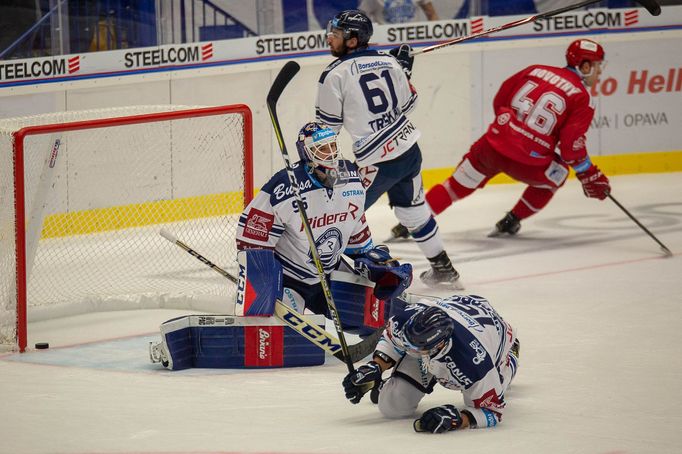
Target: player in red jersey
x,y
536,110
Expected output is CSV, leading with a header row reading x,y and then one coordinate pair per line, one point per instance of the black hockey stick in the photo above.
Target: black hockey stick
x,y
665,249
651,5
288,71
293,319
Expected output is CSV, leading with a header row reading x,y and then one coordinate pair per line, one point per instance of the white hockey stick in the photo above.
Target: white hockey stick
x,y
298,322
651,5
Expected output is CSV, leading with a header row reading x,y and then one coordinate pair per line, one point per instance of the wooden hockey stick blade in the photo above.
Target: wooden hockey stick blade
x,y
651,5
320,337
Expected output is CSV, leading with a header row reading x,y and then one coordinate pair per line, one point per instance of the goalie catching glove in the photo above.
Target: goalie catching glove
x,y
439,419
357,383
390,277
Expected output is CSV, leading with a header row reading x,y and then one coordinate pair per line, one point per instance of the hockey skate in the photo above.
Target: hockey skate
x,y
399,233
442,273
158,354
508,225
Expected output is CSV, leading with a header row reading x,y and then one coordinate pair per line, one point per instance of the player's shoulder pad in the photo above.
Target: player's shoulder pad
x,y
351,165
329,69
401,317
280,188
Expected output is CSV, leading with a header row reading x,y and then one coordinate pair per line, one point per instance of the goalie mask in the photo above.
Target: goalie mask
x,y
427,332
318,149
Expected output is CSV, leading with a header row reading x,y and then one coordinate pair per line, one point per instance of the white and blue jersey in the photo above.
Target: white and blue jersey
x,y
475,361
336,218
368,94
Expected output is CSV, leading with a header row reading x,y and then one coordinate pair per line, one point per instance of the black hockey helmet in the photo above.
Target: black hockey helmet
x,y
353,23
427,331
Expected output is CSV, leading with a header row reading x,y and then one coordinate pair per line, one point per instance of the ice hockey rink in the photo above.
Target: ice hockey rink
x,y
597,306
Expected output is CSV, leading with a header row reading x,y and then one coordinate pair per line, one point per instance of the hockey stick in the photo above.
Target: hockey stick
x,y
651,5
285,75
665,249
298,322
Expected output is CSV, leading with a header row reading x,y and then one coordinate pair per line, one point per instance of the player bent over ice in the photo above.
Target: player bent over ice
x,y
460,342
334,199
536,109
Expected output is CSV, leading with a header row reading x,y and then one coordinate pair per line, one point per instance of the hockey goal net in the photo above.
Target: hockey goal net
x,y
83,195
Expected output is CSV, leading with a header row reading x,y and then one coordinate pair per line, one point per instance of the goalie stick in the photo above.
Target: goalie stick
x,y
288,71
298,322
651,5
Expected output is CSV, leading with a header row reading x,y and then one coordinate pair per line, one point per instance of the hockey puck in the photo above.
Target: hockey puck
x,y
42,345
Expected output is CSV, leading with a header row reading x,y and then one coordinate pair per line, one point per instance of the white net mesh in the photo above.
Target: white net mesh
x,y
93,213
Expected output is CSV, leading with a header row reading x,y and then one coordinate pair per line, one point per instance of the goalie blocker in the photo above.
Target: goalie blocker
x,y
254,338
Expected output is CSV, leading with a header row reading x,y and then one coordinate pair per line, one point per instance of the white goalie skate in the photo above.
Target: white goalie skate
x,y
158,353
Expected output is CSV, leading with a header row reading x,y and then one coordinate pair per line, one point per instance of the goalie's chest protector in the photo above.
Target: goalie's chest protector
x,y
334,217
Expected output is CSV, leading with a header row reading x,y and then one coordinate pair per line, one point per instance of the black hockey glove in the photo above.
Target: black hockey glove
x,y
439,419
364,378
402,54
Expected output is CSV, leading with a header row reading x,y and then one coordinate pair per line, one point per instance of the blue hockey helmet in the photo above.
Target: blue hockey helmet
x,y
317,147
427,331
353,23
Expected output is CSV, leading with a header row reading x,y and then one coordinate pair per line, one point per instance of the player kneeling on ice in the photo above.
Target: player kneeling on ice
x,y
460,342
334,199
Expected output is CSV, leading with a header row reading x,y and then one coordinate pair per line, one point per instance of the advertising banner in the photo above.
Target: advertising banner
x,y
239,51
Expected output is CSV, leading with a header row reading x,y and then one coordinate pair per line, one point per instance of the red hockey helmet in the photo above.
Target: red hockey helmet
x,y
584,49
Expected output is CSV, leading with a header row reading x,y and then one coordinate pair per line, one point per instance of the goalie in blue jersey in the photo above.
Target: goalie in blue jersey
x,y
334,200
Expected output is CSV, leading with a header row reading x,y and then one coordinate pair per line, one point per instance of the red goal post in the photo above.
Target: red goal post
x,y
87,194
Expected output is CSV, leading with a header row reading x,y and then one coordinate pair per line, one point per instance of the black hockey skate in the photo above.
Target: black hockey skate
x,y
442,273
398,233
508,225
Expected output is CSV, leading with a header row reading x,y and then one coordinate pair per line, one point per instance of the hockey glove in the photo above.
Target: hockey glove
x,y
595,184
439,419
359,382
390,277
402,54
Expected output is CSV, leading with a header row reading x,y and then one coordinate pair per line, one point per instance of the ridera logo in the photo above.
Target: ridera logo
x,y
263,343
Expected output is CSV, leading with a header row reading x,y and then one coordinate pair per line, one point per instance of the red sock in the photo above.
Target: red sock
x,y
442,195
532,200
438,198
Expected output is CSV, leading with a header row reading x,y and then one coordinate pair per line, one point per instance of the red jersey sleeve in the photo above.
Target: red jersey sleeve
x,y
572,141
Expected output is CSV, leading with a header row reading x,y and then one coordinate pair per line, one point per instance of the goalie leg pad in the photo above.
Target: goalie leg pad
x,y
229,342
260,283
360,311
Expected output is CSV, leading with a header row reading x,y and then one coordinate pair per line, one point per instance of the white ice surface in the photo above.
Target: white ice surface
x,y
597,307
